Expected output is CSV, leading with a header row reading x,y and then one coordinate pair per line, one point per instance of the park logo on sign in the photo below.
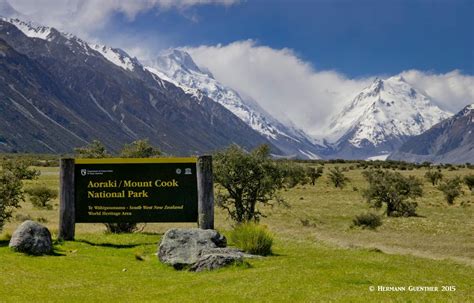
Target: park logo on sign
x,y
83,172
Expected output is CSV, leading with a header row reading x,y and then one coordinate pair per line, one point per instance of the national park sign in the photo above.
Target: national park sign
x,y
136,190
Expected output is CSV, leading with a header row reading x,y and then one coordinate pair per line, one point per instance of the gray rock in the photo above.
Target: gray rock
x,y
32,238
216,260
183,247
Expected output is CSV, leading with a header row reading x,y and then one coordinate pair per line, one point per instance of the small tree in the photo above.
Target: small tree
x,y
246,179
11,194
139,149
434,176
314,173
21,169
95,149
40,196
338,178
451,189
469,181
394,190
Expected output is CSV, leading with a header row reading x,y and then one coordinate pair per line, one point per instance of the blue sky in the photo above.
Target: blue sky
x,y
357,38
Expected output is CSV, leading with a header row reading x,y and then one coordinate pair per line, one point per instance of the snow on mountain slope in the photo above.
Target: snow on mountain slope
x,y
114,55
178,67
383,115
29,29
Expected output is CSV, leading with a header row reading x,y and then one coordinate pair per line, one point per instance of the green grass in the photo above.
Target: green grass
x,y
324,260
103,268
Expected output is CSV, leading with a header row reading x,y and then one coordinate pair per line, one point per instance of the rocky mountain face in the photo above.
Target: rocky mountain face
x,y
178,67
58,92
380,119
450,141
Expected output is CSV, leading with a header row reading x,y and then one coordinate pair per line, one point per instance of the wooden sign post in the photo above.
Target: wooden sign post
x,y
135,190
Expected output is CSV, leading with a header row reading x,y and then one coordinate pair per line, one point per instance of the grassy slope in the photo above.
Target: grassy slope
x,y
303,268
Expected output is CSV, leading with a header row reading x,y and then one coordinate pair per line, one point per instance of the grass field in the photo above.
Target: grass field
x,y
323,259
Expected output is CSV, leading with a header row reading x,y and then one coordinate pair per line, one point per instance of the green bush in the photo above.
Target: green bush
x,y
451,189
11,194
367,220
21,169
248,179
40,196
337,177
394,190
434,176
121,228
469,181
252,238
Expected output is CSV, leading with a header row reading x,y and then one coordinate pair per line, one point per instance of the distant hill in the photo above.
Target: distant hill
x,y
450,141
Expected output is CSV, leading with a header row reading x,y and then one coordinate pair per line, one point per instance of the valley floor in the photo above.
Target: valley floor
x,y
317,256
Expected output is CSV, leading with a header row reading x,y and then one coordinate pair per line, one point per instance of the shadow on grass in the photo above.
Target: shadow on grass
x,y
111,245
4,243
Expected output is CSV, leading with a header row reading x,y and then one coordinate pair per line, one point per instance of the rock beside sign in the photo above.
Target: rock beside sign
x,y
197,249
32,238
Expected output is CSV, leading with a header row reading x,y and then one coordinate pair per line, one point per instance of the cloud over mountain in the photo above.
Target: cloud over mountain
x,y
290,88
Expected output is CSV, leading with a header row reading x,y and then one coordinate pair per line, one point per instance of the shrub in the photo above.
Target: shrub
x,y
367,220
121,228
434,176
338,178
252,238
246,179
95,149
314,173
469,181
451,189
394,190
139,149
40,196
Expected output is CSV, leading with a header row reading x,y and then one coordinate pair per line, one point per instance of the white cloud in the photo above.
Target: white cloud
x,y
83,16
283,84
291,89
451,91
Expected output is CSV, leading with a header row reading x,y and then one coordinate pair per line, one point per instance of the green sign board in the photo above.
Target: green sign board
x,y
136,190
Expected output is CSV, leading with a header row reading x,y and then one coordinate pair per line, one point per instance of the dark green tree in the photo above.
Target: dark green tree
x,y
248,179
394,190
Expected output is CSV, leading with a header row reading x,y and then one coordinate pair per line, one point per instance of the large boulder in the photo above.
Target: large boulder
x,y
32,238
181,247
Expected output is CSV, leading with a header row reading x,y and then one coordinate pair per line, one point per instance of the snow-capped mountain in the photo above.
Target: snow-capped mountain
x,y
178,67
450,141
381,118
59,92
